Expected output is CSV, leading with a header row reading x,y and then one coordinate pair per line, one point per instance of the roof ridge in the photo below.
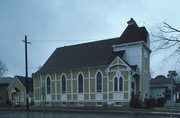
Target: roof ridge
x,y
89,42
21,76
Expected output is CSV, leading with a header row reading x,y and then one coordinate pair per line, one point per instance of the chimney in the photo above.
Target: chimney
x,y
132,22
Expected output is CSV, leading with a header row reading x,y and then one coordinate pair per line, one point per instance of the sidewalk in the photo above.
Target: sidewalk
x,y
100,110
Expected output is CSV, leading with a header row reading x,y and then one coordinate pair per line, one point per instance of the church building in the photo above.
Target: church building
x,y
101,73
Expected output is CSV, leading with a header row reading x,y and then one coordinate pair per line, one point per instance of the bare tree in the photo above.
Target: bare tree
x,y
167,37
3,68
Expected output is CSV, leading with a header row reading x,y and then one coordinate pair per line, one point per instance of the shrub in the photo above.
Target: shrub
x,y
105,105
160,102
8,103
150,103
135,102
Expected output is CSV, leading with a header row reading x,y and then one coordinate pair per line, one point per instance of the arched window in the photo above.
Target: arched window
x,y
115,84
99,82
120,84
48,85
80,83
63,84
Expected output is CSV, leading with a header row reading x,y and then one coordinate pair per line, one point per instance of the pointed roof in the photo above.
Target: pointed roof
x,y
22,79
98,53
133,33
5,80
160,79
92,54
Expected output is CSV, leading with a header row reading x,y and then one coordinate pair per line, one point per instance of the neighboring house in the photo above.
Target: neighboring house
x,y
4,83
161,87
105,72
178,92
17,91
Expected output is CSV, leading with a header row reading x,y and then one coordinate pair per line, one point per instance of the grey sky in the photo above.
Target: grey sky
x,y
54,23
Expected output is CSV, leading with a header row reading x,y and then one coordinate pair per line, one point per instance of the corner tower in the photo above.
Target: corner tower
x,y
135,41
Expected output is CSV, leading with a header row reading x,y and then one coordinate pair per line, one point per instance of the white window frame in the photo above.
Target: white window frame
x,y
63,74
96,81
118,75
78,82
50,85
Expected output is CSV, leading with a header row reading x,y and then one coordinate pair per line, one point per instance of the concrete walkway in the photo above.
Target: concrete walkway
x,y
122,111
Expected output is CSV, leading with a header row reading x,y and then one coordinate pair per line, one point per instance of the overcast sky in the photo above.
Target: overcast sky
x,y
55,23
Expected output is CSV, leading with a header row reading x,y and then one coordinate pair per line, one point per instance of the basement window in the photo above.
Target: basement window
x,y
99,103
118,103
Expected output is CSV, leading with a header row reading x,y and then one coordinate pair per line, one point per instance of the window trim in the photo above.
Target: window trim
x,y
50,84
118,76
98,71
122,83
78,82
63,74
114,84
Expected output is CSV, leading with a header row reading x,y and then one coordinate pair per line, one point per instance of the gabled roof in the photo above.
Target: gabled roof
x,y
160,79
134,67
98,53
82,55
158,86
22,79
6,80
133,33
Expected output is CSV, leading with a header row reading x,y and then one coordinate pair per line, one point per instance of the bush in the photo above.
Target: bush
x,y
8,103
105,105
160,102
150,103
135,102
177,100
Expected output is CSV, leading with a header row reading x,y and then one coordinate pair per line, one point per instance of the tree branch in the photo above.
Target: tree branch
x,y
170,27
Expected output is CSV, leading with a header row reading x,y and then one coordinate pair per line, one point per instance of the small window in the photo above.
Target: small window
x,y
132,85
80,83
120,84
63,84
118,103
99,103
64,104
99,82
115,84
48,83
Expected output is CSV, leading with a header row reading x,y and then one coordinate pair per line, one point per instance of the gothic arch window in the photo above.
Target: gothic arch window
x,y
48,85
115,84
99,82
80,83
63,81
120,84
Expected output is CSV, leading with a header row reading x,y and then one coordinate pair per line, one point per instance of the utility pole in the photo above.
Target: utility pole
x,y
172,74
26,66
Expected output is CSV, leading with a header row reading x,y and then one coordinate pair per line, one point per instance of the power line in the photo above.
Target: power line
x,y
80,39
10,45
59,40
